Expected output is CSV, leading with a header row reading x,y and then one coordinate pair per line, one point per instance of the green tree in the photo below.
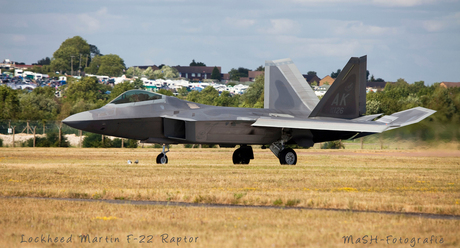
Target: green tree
x,y
216,74
94,65
51,140
39,104
226,100
253,97
149,73
87,93
193,96
165,92
208,95
193,63
94,51
45,61
244,72
134,72
183,91
70,48
234,74
335,74
95,140
132,143
111,65
166,72
37,69
260,68
138,84
9,103
372,106
85,89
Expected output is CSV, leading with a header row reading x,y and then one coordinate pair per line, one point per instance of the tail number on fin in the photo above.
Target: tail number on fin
x,y
336,110
343,100
339,100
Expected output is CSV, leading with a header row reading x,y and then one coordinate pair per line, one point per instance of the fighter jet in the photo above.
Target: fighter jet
x,y
292,114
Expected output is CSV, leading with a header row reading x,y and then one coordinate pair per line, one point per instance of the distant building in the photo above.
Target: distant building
x,y
311,78
449,84
196,73
253,74
244,79
225,76
327,80
376,85
25,67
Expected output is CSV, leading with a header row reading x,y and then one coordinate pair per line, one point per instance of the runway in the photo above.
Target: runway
x,y
187,204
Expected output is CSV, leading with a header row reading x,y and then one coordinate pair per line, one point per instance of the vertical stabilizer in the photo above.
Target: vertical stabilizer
x,y
286,88
346,98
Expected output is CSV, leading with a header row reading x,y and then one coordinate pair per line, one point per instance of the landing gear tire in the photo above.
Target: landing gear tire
x,y
162,159
288,156
243,155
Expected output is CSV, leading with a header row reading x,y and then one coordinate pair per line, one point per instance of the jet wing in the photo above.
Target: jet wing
x,y
322,124
406,117
360,124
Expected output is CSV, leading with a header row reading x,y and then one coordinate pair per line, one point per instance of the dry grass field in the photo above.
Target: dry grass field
x,y
423,181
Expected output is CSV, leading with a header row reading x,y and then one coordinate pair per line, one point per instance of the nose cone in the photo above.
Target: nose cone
x,y
79,121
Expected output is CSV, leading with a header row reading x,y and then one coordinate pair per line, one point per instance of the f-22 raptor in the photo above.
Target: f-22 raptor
x,y
292,114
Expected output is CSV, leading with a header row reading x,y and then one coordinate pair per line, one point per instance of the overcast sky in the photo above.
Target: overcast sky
x,y
410,39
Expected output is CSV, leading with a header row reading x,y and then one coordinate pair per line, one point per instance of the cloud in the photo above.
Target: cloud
x,y
18,38
240,23
389,3
442,23
314,2
192,30
87,23
402,3
300,47
82,23
282,26
358,28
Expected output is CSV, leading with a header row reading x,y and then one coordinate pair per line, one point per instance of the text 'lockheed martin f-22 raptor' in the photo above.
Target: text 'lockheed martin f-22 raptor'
x,y
292,114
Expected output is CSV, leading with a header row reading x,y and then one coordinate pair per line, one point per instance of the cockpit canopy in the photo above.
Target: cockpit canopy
x,y
136,96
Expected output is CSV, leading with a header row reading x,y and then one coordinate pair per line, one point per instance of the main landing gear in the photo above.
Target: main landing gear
x,y
243,155
162,158
285,155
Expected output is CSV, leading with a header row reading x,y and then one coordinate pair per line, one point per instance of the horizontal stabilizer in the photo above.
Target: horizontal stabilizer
x,y
406,117
322,124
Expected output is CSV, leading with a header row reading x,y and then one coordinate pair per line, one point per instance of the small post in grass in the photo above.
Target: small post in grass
x,y
34,136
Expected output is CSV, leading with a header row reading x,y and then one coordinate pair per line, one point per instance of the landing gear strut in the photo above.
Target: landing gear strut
x,y
285,155
243,155
162,158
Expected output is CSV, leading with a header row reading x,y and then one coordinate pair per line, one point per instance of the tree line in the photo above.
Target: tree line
x,y
86,93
